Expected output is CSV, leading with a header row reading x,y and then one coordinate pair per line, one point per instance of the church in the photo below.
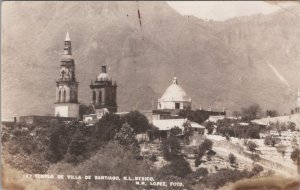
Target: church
x,y
171,102
104,91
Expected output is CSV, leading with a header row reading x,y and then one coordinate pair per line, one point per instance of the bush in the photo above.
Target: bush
x,y
255,157
178,167
125,136
197,161
153,158
196,176
223,176
209,127
295,155
171,148
270,140
232,159
257,169
252,146
137,121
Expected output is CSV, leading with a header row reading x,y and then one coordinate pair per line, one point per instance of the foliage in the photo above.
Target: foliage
x,y
171,148
125,136
78,145
232,128
197,116
252,112
295,155
257,169
178,167
137,121
175,131
195,177
232,159
272,113
271,140
281,149
291,126
205,146
111,160
251,146
209,127
85,110
188,131
223,176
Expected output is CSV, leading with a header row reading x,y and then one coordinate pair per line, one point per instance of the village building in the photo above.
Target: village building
x,y
66,104
165,125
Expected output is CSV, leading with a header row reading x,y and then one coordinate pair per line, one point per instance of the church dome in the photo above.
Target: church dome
x,y
175,93
103,76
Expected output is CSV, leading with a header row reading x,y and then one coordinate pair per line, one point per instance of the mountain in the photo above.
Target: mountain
x,y
229,64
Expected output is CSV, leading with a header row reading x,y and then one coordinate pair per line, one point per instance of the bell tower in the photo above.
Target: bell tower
x,y
66,104
104,92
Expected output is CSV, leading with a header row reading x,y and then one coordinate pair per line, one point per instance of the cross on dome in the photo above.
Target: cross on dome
x,y
175,80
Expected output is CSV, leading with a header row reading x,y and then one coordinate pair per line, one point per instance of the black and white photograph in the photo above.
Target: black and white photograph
x,y
150,95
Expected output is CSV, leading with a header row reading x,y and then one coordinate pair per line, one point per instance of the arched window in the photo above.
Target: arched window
x,y
75,96
71,95
64,98
94,96
100,96
59,96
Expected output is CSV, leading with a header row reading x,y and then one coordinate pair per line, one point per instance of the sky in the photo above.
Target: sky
x,y
223,10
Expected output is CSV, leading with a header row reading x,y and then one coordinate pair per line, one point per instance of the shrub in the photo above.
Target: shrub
x,y
257,169
223,176
295,155
178,167
252,146
232,159
125,136
171,148
270,140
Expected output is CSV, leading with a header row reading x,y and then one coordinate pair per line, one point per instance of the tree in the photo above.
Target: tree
x,y
206,145
203,147
252,146
251,112
85,110
257,169
232,159
137,121
178,167
271,140
209,127
271,113
291,126
125,136
281,149
188,131
171,148
236,114
78,145
295,155
175,131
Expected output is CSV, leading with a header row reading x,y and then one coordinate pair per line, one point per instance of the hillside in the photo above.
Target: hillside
x,y
220,64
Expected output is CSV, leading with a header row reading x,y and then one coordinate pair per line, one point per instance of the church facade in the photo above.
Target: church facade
x,y
66,104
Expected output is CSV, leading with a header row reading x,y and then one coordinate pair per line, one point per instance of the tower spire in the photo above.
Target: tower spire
x,y
68,46
67,37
